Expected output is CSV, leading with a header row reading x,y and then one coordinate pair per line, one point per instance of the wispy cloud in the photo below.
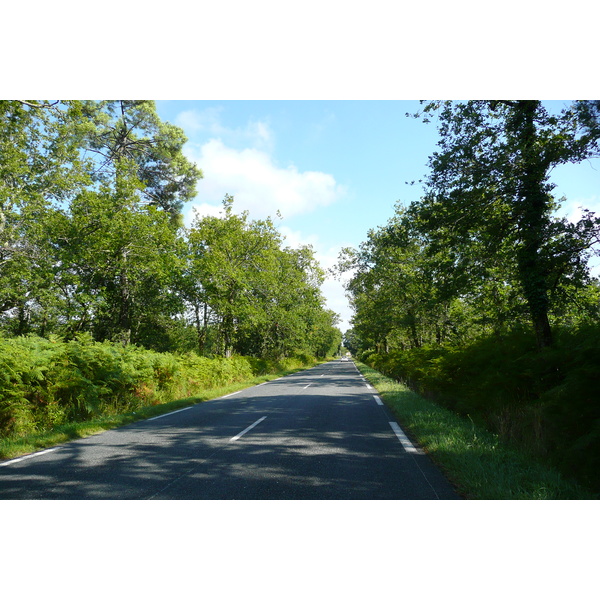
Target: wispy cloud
x,y
573,209
208,122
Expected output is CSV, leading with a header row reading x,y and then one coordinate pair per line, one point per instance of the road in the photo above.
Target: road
x,y
317,434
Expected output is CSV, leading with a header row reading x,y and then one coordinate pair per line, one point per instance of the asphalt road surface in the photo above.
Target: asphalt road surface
x,y
317,434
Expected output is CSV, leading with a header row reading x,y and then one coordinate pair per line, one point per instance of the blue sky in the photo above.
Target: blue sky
x,y
333,169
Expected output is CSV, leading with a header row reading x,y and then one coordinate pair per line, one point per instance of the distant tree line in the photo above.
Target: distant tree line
x,y
92,240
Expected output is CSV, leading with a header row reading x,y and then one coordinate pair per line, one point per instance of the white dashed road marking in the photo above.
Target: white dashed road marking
x,y
403,439
239,435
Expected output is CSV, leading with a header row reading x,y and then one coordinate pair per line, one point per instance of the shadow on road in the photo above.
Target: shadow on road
x,y
311,446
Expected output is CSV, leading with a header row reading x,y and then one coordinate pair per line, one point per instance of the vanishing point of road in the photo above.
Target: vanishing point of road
x,y
319,434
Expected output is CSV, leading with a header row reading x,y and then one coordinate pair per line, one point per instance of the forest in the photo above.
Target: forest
x,y
478,295
95,261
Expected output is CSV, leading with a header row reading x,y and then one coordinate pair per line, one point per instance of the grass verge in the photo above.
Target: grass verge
x,y
479,465
15,446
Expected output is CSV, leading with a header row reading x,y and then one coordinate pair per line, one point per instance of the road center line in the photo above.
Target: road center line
x,y
403,439
16,460
307,386
239,435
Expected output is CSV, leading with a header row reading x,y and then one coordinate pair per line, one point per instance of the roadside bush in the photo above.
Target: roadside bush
x,y
546,401
50,382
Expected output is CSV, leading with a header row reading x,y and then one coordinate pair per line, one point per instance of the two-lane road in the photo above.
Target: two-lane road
x,y
322,433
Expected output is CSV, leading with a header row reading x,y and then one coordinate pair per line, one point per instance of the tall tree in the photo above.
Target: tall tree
x,y
263,299
41,167
489,192
90,194
133,145
141,176
230,261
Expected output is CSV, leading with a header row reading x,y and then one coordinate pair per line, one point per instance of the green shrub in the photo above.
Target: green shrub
x,y
546,401
45,383
23,364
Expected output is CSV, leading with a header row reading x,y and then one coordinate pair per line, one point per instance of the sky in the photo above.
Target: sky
x,y
332,169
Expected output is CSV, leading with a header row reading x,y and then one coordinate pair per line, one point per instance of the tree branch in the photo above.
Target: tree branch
x,y
32,105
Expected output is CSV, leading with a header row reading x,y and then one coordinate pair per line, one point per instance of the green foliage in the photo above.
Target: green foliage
x,y
90,194
488,198
91,241
257,297
45,383
478,462
546,402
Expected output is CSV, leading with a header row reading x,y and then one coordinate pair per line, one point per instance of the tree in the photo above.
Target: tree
x,y
400,290
488,193
133,145
90,194
116,266
263,300
41,167
231,259
132,214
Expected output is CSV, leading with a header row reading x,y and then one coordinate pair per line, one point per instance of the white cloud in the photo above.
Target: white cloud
x,y
208,121
258,185
573,209
295,239
205,210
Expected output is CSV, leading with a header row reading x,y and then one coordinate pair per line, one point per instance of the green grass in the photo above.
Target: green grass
x,y
14,446
478,464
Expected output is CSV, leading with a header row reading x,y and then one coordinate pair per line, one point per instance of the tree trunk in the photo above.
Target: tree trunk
x,y
543,332
201,327
23,322
531,212
125,305
414,334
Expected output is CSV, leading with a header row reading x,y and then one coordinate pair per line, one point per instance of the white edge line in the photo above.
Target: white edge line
x,y
169,413
369,386
232,394
239,435
403,439
16,460
378,400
